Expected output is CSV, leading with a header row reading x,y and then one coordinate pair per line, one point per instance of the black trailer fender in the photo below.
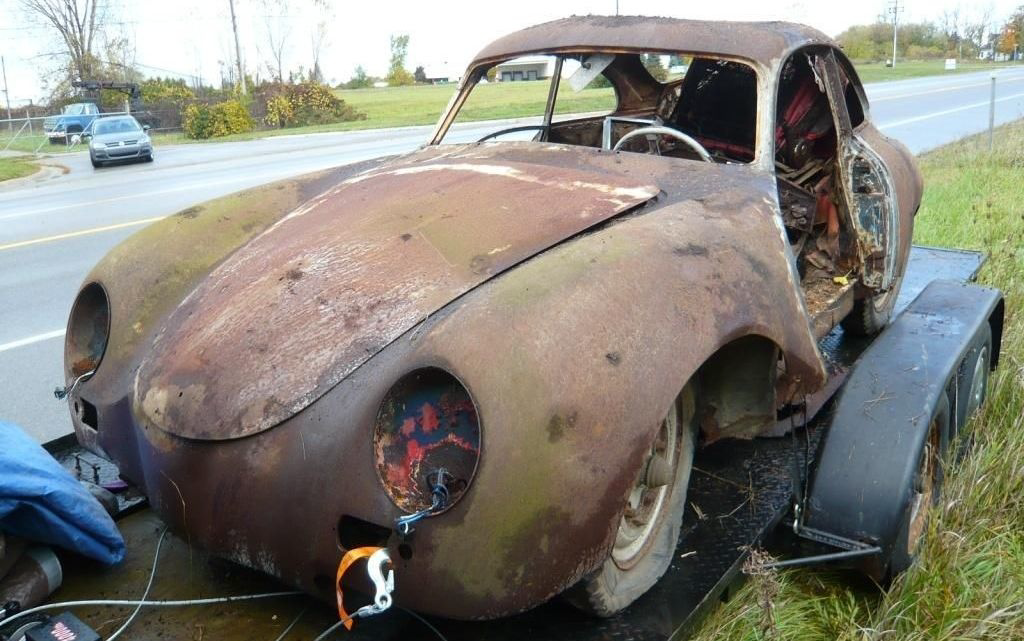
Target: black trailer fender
x,y
862,482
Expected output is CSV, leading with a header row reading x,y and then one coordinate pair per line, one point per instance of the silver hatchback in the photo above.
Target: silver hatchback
x,y
118,138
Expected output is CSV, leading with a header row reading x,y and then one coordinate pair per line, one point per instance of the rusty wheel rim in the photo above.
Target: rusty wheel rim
x,y
924,493
648,501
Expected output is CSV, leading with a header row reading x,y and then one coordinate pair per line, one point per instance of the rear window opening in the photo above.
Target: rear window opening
x,y
596,99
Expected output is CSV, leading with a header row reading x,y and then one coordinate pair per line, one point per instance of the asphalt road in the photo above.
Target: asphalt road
x,y
53,232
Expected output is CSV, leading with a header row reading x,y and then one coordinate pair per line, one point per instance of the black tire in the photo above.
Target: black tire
x,y
872,313
618,582
925,493
95,163
147,158
973,383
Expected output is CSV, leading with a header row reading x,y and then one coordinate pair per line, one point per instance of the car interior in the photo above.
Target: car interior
x,y
709,113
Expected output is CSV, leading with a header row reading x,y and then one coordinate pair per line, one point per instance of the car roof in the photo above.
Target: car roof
x,y
758,41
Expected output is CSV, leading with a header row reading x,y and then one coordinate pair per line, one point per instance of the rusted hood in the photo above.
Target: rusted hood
x,y
303,304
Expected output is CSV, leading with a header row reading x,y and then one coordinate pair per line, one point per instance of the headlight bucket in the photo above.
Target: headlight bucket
x,y
427,421
88,330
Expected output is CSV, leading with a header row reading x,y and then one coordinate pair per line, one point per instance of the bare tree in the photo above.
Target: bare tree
x,y
318,37
79,24
277,29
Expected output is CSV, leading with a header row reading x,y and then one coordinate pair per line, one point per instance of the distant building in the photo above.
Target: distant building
x,y
525,68
441,73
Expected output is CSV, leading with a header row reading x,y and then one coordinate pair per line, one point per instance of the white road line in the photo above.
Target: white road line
x,y
999,83
946,112
38,338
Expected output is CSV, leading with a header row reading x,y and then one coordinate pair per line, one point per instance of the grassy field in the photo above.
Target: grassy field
x,y
878,72
16,167
969,583
423,104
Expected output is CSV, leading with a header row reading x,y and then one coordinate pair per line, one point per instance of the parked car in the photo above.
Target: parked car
x,y
116,138
520,343
72,121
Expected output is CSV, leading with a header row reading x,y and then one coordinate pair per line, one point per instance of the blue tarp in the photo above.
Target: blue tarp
x,y
40,501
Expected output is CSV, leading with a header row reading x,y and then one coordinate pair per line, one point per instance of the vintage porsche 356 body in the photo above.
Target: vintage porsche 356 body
x,y
521,341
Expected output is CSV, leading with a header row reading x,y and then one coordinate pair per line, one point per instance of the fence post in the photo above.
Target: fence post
x,y
992,112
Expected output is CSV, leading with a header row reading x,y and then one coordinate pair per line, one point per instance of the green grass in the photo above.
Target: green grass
x,y
12,167
878,72
30,143
969,582
423,104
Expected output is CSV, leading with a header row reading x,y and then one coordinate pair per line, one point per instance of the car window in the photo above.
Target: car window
x,y
603,96
115,125
74,110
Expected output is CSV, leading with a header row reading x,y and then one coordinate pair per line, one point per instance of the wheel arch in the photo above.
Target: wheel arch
x,y
736,388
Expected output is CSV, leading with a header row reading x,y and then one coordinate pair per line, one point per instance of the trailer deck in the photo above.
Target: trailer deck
x,y
739,493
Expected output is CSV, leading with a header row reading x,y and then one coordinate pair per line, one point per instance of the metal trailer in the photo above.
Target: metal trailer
x,y
839,487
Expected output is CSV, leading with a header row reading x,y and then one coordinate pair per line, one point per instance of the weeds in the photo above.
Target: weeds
x,y
969,580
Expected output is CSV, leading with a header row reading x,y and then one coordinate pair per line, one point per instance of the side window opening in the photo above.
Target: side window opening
x,y
718,106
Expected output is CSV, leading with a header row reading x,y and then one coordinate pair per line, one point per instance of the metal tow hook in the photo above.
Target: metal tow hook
x,y
438,499
383,584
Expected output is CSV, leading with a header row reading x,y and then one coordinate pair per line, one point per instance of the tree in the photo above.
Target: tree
x,y
79,23
1010,36
318,37
397,73
652,62
419,75
277,29
359,79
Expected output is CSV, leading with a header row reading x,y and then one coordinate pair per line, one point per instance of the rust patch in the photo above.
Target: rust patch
x,y
469,218
690,249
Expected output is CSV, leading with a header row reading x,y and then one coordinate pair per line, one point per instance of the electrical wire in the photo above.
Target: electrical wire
x,y
290,625
149,604
145,593
326,633
423,621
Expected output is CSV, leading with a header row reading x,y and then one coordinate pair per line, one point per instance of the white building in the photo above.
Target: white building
x,y
525,68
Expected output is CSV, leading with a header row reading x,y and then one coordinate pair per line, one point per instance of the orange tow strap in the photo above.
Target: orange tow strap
x,y
350,557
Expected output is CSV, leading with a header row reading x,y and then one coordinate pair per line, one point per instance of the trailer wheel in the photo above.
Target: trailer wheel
x,y
648,531
974,381
924,494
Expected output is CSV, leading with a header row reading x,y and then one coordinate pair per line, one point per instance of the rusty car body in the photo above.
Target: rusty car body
x,y
541,328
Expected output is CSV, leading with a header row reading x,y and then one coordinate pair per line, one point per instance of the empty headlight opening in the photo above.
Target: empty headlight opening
x,y
426,422
88,330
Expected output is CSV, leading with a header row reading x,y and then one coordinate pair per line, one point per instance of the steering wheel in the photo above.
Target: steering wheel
x,y
512,130
666,131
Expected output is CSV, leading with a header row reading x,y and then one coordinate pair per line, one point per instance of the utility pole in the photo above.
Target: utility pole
x,y
7,96
616,7
895,9
238,49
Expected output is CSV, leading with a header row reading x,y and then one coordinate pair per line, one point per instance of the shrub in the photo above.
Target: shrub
x,y
214,121
307,103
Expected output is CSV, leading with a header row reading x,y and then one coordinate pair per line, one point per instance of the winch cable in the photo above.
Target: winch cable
x,y
143,603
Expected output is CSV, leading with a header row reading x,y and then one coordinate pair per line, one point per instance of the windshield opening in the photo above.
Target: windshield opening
x,y
690,107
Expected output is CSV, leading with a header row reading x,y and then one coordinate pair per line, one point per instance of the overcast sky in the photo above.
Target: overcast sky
x,y
193,37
